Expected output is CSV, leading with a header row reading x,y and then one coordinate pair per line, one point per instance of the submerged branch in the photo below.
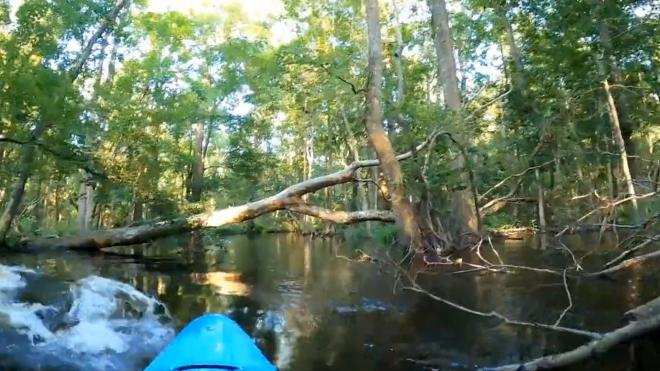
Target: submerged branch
x,y
626,264
570,301
633,249
414,286
646,324
493,314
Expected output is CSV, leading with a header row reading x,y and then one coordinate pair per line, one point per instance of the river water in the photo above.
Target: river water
x,y
308,306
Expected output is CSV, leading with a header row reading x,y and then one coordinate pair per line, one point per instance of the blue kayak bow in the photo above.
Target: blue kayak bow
x,y
211,342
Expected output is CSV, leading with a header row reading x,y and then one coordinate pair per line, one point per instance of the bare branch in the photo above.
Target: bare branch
x,y
75,156
493,314
106,24
607,206
570,301
488,104
343,217
626,264
500,183
414,286
628,252
371,181
600,345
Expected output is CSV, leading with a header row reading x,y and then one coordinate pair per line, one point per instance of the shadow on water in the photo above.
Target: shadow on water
x,y
310,310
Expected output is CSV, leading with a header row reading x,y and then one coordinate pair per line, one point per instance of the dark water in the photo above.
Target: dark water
x,y
311,310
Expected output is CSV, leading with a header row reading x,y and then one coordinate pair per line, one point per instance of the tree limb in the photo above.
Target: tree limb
x,y
607,206
493,314
342,217
637,247
626,264
501,182
74,157
106,24
633,330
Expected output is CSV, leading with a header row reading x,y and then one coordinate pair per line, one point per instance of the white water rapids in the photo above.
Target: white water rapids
x,y
103,324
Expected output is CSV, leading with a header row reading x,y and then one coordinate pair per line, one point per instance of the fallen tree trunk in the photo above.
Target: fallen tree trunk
x,y
288,199
646,319
233,215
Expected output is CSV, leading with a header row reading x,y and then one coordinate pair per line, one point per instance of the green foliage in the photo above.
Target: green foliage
x,y
275,114
355,234
385,234
503,220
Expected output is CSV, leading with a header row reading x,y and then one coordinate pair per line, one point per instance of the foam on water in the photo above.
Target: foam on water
x,y
11,279
110,325
25,319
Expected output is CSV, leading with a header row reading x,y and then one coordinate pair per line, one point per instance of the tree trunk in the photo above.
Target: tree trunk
x,y
138,208
86,200
39,203
309,168
620,95
621,146
56,202
398,68
197,177
86,194
405,215
518,68
24,172
465,211
540,200
444,50
353,147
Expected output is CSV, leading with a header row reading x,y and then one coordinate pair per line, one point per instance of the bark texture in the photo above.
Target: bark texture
x,y
620,95
24,172
398,65
86,202
621,145
405,215
197,176
519,79
465,211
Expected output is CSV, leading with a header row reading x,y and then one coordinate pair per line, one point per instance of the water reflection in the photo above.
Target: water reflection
x,y
223,283
312,311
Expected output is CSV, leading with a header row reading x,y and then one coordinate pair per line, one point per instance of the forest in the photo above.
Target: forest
x,y
429,128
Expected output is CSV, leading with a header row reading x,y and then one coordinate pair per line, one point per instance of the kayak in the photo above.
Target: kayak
x,y
211,342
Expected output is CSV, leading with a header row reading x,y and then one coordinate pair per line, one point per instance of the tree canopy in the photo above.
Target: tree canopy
x,y
112,113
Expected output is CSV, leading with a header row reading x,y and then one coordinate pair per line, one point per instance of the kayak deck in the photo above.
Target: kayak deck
x,y
211,342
